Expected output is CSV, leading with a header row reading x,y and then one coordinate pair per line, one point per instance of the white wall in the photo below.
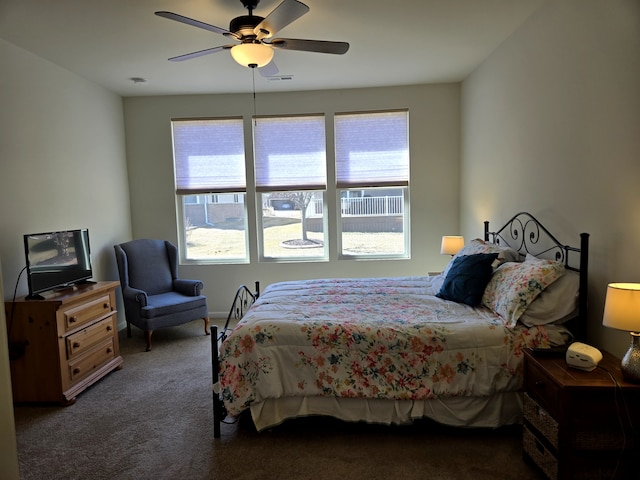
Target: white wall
x,y
62,165
551,125
62,158
434,141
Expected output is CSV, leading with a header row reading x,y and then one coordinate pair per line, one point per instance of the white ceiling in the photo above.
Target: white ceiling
x,y
393,42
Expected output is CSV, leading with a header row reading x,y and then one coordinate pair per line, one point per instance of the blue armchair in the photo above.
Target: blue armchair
x,y
154,297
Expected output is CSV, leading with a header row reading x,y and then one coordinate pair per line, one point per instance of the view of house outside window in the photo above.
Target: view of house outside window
x,y
215,227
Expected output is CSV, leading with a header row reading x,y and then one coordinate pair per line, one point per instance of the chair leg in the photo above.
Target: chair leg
x,y
206,326
147,336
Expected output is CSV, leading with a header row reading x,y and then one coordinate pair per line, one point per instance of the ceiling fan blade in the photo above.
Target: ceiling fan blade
x,y
280,17
269,70
320,46
196,23
200,53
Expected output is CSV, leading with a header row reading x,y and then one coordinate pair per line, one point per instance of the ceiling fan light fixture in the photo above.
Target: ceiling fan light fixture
x,y
252,54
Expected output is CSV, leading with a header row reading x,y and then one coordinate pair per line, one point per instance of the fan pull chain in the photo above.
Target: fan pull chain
x,y
253,74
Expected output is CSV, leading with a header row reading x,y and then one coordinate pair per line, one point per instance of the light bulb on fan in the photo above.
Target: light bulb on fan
x,y
252,55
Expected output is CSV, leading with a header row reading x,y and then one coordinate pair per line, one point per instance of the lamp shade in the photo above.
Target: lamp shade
x,y
622,307
451,244
252,54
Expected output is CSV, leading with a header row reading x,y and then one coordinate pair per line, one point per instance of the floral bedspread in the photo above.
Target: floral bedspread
x,y
375,338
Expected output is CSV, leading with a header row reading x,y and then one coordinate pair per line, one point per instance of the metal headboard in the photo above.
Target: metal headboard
x,y
525,234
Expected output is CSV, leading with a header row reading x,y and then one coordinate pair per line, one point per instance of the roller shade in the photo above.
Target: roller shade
x,y
290,153
372,149
209,155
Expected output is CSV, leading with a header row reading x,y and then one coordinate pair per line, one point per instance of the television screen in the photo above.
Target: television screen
x,y
57,259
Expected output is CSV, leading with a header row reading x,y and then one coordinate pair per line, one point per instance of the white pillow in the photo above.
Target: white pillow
x,y
555,304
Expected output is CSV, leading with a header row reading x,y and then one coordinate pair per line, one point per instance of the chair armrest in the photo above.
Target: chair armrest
x,y
191,288
136,295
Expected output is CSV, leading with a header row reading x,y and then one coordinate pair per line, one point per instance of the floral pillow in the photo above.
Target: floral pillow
x,y
514,286
475,246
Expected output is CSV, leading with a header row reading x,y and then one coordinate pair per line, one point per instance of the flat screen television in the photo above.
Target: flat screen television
x,y
57,260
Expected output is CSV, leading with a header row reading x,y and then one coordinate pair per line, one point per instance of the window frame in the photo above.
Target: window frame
x,y
264,185
332,220
203,192
395,182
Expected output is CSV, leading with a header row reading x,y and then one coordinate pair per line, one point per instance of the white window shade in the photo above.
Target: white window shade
x,y
209,156
372,149
290,153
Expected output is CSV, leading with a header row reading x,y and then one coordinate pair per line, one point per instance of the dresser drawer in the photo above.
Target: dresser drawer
x,y
81,341
541,420
85,364
82,314
541,388
540,455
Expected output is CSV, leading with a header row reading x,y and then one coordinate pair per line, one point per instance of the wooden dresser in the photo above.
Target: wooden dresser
x,y
61,345
580,425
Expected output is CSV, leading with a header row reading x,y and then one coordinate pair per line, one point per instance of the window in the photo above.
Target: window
x,y
369,187
291,179
372,178
209,162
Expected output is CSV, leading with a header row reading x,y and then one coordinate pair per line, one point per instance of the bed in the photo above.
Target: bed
x,y
391,350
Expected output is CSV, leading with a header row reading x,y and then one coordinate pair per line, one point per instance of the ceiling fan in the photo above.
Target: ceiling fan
x,y
255,33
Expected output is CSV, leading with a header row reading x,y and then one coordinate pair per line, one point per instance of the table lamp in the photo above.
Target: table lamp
x,y
622,311
451,244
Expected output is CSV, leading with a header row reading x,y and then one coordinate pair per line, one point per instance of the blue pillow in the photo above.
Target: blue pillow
x,y
467,278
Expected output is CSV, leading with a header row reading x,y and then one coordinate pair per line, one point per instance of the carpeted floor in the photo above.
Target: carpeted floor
x,y
152,420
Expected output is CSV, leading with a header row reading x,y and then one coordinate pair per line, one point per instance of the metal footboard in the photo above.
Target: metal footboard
x,y
242,301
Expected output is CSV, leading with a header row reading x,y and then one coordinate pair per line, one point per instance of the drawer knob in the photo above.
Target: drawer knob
x,y
105,306
109,350
539,384
73,319
109,328
76,371
76,345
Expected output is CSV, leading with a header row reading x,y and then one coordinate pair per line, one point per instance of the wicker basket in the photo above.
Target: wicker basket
x,y
539,454
541,420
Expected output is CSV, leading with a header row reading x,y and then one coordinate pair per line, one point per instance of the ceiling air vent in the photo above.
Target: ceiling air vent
x,y
277,78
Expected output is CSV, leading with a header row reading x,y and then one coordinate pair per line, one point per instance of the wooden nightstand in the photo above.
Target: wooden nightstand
x,y
580,425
